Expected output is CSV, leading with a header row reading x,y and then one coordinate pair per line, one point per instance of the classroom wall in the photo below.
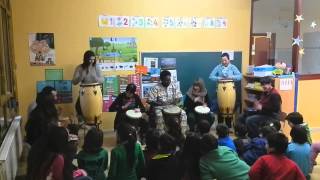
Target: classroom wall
x,y
74,21
308,104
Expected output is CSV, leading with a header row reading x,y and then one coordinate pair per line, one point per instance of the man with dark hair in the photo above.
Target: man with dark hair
x,y
267,109
225,70
275,165
47,92
220,162
162,95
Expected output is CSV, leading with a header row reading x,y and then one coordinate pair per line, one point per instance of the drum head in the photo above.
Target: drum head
x,y
134,114
202,109
173,110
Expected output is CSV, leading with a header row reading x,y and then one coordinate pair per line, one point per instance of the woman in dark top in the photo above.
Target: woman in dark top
x,y
197,95
41,118
126,101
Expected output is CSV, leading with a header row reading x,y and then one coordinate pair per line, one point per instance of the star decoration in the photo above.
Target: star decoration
x,y
301,51
299,18
297,41
313,24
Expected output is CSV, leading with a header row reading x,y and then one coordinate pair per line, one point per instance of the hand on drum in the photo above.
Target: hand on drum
x,y
257,105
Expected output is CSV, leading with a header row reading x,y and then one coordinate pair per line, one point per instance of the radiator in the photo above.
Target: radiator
x,y
10,151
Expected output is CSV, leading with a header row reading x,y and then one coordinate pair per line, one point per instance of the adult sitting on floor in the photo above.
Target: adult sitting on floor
x,y
267,108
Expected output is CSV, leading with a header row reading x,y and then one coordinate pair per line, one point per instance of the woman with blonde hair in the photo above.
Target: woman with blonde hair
x,y
197,95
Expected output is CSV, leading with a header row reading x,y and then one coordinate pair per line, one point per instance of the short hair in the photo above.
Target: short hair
x,y
164,74
207,143
295,118
225,55
93,140
131,88
203,126
267,130
279,143
240,129
167,143
222,130
266,80
299,134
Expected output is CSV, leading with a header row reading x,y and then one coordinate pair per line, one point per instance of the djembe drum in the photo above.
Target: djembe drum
x,y
133,116
170,113
226,95
203,113
91,102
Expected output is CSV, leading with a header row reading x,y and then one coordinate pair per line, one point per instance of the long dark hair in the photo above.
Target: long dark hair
x,y
93,141
128,137
44,151
86,59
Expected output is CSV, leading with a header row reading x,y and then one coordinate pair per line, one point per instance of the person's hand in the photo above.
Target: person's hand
x,y
257,105
126,105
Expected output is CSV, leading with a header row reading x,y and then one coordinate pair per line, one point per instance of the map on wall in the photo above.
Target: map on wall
x,y
41,49
114,49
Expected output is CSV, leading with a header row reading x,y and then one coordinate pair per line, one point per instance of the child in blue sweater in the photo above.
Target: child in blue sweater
x,y
224,138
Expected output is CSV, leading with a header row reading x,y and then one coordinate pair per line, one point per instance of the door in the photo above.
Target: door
x,y
262,48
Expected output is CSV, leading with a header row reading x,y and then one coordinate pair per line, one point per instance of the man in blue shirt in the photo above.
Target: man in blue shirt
x,y
225,70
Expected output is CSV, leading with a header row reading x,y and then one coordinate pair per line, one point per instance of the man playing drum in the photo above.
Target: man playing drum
x,y
225,72
163,96
86,73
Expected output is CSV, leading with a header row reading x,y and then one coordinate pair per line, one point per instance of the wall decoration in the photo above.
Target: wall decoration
x,y
111,86
53,74
146,88
161,22
168,63
114,49
297,41
313,24
41,49
63,87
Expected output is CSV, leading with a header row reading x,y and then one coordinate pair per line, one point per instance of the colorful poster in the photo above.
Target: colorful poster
x,y
64,91
63,87
150,62
107,101
174,76
111,86
41,49
114,49
168,63
123,82
106,66
53,74
146,88
135,79
125,66
140,69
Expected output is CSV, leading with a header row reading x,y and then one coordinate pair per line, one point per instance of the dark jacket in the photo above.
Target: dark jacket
x,y
164,166
271,103
189,104
120,101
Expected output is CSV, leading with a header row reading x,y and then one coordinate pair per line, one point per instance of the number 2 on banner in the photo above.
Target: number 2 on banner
x,y
125,21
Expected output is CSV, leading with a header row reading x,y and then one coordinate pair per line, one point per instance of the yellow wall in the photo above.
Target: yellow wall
x,y
309,103
74,21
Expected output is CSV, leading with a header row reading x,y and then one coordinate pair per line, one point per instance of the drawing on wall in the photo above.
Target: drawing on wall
x,y
41,49
114,49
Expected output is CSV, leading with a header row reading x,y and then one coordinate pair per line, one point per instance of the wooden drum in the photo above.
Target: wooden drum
x,y
226,95
133,116
91,102
171,112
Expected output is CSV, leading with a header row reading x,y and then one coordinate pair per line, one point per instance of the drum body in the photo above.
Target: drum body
x,y
226,95
91,102
171,112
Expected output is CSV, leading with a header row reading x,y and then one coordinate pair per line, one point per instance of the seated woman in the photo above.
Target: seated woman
x,y
197,95
126,101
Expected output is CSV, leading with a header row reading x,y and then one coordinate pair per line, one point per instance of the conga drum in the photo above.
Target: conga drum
x,y
171,112
133,116
226,95
91,102
203,112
